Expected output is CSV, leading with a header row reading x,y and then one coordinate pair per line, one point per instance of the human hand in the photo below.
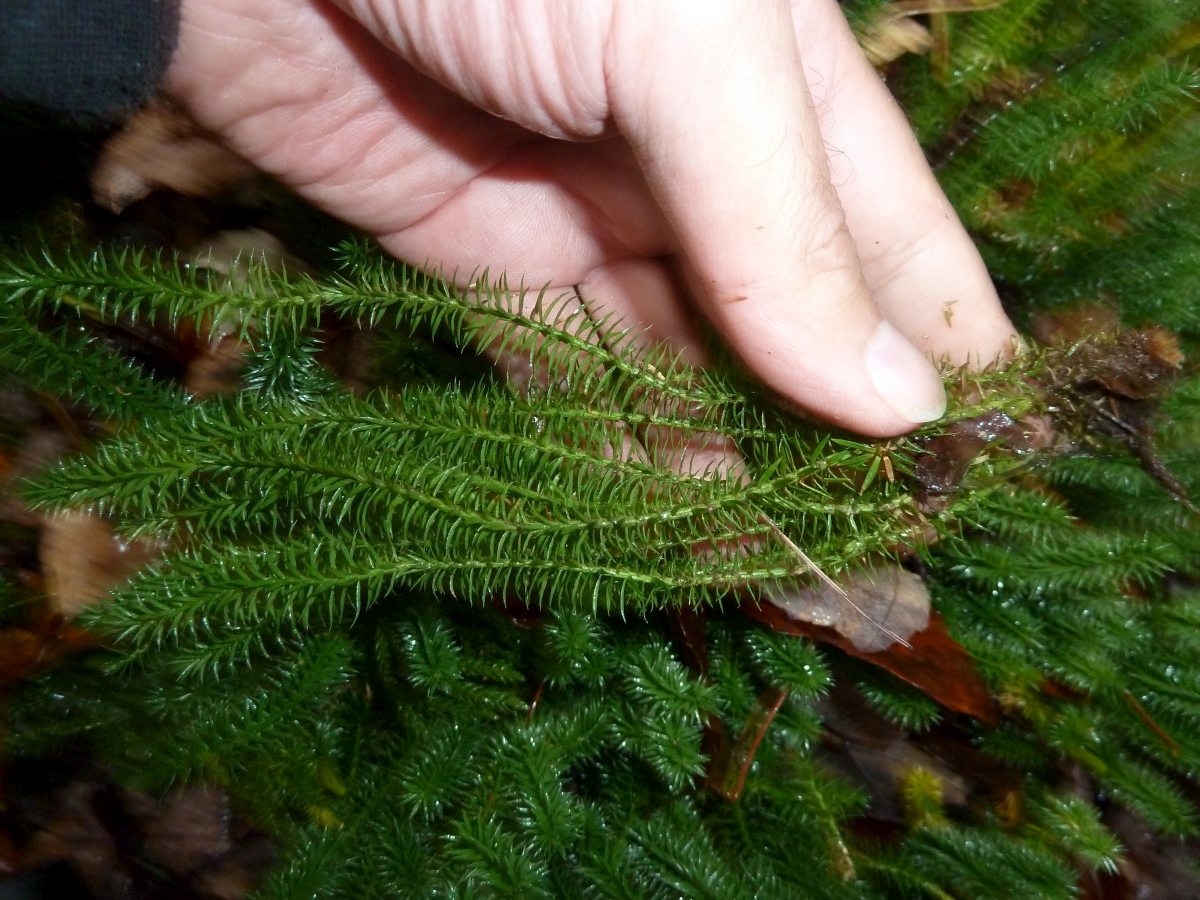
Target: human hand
x,y
743,157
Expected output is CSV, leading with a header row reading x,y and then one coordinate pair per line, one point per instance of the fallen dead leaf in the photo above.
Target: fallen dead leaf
x,y
890,604
946,458
161,147
83,558
217,366
8,855
891,31
121,843
33,647
890,36
933,662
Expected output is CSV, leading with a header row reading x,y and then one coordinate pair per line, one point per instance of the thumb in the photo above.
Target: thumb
x,y
719,115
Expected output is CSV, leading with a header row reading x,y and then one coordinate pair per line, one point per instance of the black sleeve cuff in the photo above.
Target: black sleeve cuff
x,y
90,62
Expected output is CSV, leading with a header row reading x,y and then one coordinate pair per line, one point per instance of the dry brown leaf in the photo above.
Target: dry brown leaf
x,y
8,855
946,458
892,603
932,662
217,366
120,843
892,32
888,37
35,646
83,558
161,147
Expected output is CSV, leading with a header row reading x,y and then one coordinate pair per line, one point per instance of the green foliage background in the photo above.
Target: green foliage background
x,y
334,636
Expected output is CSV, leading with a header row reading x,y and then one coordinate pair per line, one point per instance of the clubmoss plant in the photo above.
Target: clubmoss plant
x,y
448,638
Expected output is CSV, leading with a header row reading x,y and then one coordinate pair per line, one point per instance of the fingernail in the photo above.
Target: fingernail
x,y
902,377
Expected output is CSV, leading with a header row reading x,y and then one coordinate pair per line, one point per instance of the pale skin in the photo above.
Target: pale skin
x,y
733,159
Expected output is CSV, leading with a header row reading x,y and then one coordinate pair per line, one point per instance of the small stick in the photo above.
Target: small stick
x,y
1140,712
829,582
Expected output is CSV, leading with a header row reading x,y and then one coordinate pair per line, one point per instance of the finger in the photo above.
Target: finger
x,y
921,266
647,293
551,214
313,98
654,429
719,114
309,96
